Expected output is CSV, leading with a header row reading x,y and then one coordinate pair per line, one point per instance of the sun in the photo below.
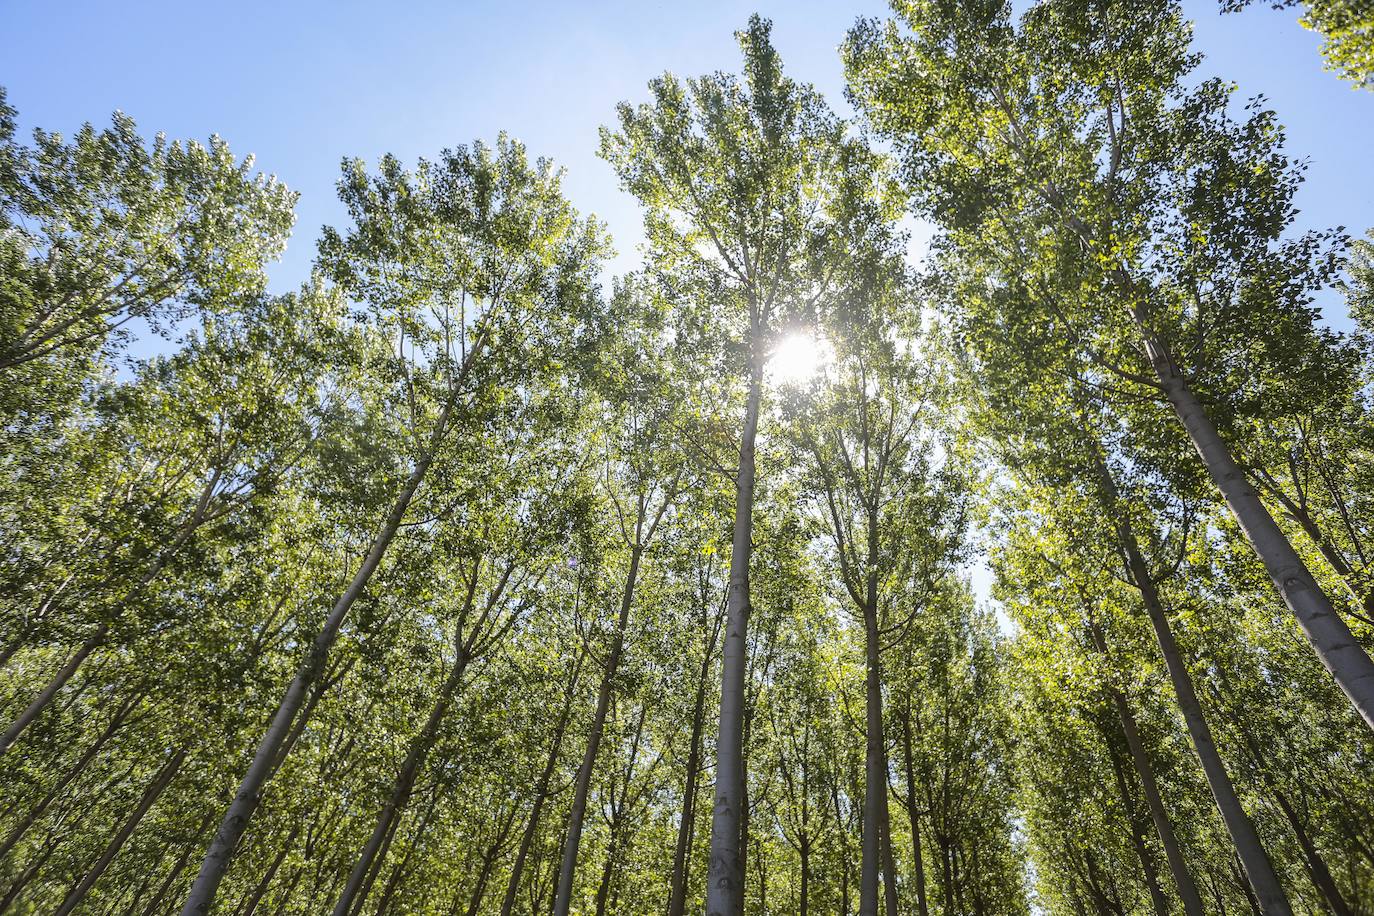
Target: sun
x,y
797,358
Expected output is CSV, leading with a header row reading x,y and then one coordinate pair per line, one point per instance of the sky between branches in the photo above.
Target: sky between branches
x,y
302,84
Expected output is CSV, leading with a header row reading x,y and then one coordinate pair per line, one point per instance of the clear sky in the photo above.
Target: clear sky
x,y
303,84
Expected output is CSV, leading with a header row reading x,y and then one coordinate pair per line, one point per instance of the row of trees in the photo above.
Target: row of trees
x,y
412,591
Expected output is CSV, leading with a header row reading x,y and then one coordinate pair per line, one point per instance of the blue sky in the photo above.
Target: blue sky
x,y
303,84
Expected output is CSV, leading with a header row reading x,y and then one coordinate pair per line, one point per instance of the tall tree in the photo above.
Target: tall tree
x,y
732,173
452,258
1161,223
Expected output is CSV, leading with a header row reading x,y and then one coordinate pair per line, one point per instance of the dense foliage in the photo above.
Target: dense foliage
x,y
463,580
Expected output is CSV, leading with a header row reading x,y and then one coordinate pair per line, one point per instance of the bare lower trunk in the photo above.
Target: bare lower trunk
x,y
1317,868
568,868
889,866
1136,826
266,757
150,795
1258,869
541,791
913,813
489,860
686,828
1164,828
1328,633
875,770
398,874
725,873
1316,863
251,904
361,878
155,905
40,702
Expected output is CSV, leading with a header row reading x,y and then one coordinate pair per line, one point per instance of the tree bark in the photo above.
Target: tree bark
x,y
416,756
64,674
1259,870
1333,556
686,828
1164,828
1316,863
567,870
489,859
155,905
265,758
1137,828
875,760
541,791
725,874
913,814
150,795
251,904
1325,629
889,863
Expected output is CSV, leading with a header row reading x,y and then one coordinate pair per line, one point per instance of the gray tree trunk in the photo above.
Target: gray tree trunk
x,y
677,898
568,869
1259,871
361,878
725,873
150,795
541,792
1328,633
1164,828
265,758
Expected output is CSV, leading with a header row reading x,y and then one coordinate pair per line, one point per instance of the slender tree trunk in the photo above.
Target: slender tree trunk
x,y
1137,828
841,825
620,806
567,871
603,887
489,859
1317,868
686,828
875,759
265,758
1164,828
398,873
889,864
251,905
20,829
155,905
946,872
416,756
1334,558
27,875
541,790
11,647
150,795
64,674
1328,633
102,632
913,812
1316,864
378,862
1258,869
725,874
